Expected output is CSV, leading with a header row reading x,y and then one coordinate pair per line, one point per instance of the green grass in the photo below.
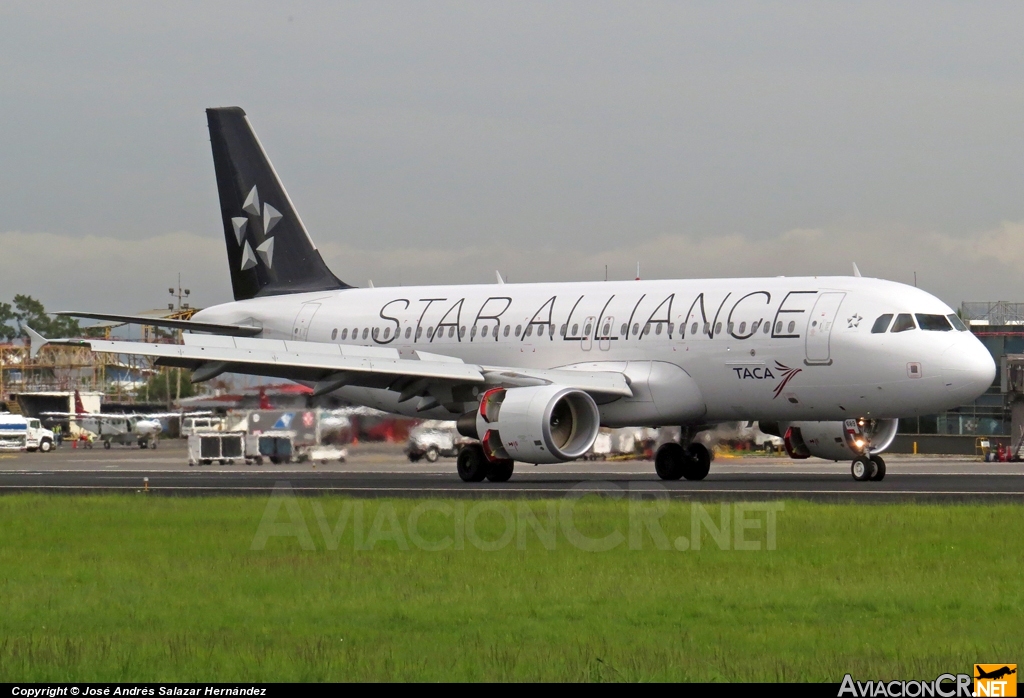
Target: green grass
x,y
128,588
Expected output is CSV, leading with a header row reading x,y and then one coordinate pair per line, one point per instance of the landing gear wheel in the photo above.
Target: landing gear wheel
x,y
472,463
431,455
698,464
879,468
500,471
669,461
862,469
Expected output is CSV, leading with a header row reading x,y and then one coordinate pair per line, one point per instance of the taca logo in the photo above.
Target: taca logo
x,y
766,372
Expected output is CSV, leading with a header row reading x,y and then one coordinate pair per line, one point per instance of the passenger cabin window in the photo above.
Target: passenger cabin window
x,y
957,322
903,323
334,334
408,331
693,328
933,323
881,324
507,328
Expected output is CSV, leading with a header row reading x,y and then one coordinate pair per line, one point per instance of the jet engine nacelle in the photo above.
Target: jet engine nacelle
x,y
539,424
834,440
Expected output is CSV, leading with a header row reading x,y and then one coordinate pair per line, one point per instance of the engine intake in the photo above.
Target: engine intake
x,y
834,440
539,424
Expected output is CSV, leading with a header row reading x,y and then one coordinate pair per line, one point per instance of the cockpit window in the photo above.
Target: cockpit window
x,y
933,323
881,324
903,323
957,322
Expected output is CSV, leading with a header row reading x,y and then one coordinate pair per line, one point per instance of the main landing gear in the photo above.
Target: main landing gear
x,y
474,467
672,461
867,467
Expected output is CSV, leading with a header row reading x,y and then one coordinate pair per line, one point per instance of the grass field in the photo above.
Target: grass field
x,y
136,587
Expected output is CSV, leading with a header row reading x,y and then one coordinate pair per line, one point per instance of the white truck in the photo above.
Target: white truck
x,y
19,433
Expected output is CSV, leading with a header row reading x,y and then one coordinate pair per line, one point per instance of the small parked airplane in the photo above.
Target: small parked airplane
x,y
533,370
125,429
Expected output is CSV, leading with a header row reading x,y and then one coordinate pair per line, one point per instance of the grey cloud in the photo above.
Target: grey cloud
x,y
543,138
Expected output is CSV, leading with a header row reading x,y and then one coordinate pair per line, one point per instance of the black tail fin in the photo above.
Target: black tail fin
x,y
269,250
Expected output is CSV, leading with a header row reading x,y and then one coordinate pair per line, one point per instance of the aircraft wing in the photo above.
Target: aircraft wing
x,y
332,366
106,416
213,328
119,416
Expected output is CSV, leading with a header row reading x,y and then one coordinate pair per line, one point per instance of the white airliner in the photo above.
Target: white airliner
x,y
533,370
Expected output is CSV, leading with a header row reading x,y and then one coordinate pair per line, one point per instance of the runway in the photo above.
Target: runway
x,y
382,471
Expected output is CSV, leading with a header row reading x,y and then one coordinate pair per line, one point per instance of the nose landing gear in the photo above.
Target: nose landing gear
x,y
868,467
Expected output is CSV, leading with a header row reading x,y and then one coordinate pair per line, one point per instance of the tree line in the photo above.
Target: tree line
x,y
27,311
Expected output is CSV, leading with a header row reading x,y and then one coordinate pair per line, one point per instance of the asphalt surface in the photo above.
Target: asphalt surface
x,y
382,470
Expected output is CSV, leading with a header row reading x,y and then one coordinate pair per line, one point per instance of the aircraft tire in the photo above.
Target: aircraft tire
x,y
862,469
472,464
879,468
697,465
500,471
669,461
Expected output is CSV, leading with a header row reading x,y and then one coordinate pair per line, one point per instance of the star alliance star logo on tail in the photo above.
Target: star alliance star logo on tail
x,y
271,216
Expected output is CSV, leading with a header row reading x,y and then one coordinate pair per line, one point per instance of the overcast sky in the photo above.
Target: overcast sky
x,y
434,143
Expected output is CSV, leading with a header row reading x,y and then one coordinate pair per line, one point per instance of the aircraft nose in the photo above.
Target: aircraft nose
x,y
967,368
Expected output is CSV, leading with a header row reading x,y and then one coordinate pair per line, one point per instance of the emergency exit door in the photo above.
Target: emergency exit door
x,y
300,330
819,327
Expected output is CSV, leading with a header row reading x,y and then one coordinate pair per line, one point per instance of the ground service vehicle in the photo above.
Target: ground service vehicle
x,y
18,433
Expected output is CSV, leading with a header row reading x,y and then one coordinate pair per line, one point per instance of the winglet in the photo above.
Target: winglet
x,y
856,271
36,341
498,274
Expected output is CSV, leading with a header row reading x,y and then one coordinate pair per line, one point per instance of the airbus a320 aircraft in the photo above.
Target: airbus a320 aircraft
x,y
533,370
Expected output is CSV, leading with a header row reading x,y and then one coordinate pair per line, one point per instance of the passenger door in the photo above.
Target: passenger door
x,y
819,327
